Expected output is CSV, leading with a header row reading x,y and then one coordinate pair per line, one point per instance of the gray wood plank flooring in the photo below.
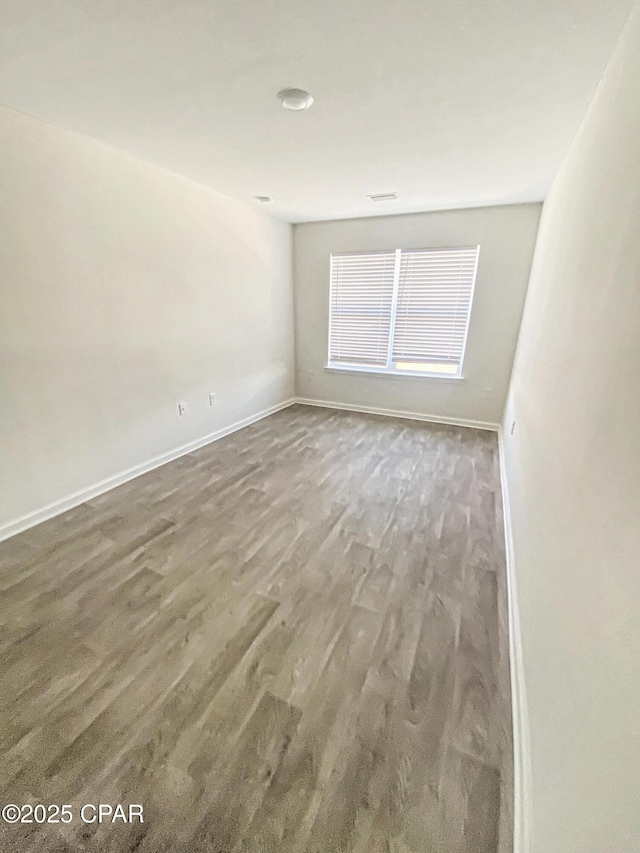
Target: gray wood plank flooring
x,y
293,639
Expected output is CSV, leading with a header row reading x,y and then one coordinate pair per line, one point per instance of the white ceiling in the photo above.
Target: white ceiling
x,y
449,103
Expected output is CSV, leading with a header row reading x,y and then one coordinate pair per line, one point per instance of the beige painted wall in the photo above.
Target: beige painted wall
x,y
125,289
573,471
507,238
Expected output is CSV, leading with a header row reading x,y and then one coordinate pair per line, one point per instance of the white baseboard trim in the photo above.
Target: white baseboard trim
x,y
31,519
24,522
521,732
393,413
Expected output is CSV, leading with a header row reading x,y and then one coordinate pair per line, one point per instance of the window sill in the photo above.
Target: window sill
x,y
365,371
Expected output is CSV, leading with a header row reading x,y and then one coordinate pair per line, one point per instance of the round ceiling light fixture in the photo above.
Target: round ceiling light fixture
x,y
295,99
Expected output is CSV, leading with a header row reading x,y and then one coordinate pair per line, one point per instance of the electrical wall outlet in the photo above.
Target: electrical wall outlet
x,y
182,408
212,399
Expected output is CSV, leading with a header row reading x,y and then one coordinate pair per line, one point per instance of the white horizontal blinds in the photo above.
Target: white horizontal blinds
x,y
434,301
361,297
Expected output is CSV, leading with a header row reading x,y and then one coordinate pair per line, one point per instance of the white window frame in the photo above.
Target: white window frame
x,y
390,369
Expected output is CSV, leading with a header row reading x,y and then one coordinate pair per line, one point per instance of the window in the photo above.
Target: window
x,y
401,311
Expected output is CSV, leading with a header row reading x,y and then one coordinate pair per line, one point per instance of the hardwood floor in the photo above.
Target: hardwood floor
x,y
293,639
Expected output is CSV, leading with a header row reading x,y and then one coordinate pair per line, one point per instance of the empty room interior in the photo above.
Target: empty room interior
x,y
320,426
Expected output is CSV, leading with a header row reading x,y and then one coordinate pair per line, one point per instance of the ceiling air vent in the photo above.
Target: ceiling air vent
x,y
383,197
